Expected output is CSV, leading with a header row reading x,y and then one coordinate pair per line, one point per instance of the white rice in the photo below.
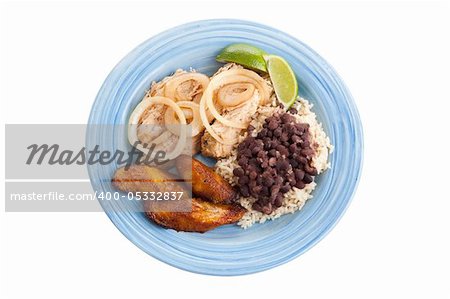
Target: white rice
x,y
295,198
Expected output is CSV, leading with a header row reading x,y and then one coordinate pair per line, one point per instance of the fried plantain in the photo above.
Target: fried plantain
x,y
193,215
205,182
143,178
203,217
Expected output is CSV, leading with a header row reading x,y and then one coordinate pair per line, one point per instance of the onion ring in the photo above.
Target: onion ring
x,y
133,123
197,126
228,97
222,79
171,90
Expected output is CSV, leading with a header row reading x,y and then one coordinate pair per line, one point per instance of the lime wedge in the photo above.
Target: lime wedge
x,y
248,56
283,79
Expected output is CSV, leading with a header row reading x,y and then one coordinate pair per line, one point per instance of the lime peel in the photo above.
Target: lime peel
x,y
283,79
246,55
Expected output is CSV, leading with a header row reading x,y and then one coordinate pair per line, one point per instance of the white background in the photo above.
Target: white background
x,y
393,242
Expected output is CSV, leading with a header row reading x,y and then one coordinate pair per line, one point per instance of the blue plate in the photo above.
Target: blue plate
x,y
230,250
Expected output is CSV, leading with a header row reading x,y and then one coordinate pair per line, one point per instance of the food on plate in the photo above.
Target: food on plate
x,y
274,161
185,214
295,198
268,144
144,178
205,182
246,55
184,86
203,217
162,115
283,79
142,131
232,97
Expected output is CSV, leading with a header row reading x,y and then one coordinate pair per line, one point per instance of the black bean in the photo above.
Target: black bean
x,y
287,118
299,174
275,143
262,133
256,189
264,190
302,159
310,170
274,190
267,209
272,153
238,172
282,165
278,201
292,148
307,179
271,171
303,127
293,111
304,144
277,132
272,161
306,136
259,180
270,118
290,129
278,180
247,152
253,162
284,152
244,191
256,150
292,180
296,139
257,207
273,125
286,187
251,168
243,180
307,152
261,154
265,176
280,148
293,163
243,161
300,185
